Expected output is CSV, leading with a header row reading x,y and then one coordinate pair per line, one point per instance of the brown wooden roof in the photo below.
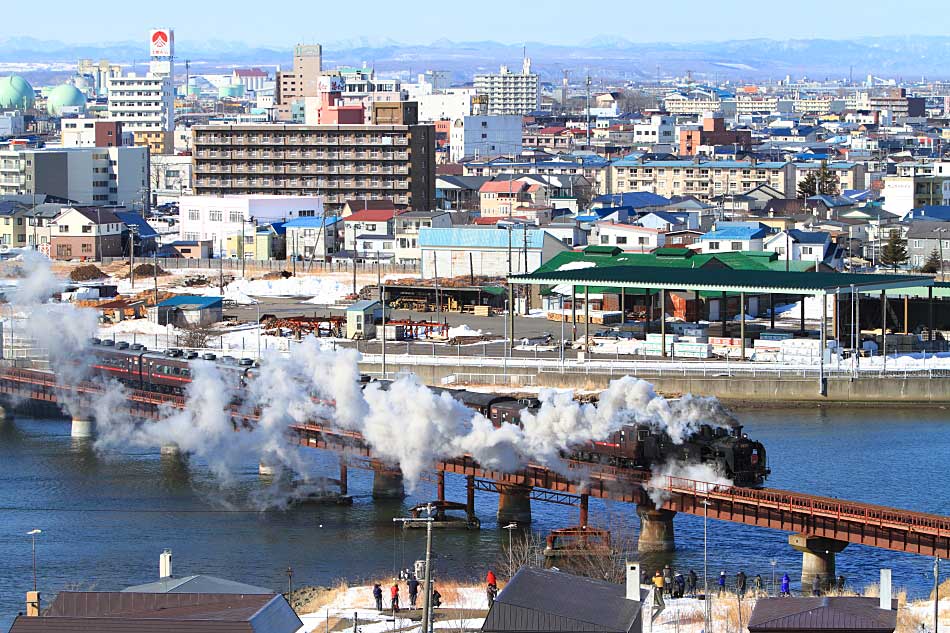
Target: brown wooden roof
x,y
821,614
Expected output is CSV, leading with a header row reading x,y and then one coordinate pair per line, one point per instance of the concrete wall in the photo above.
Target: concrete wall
x,y
748,388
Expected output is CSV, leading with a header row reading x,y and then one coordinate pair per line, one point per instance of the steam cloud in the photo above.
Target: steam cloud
x,y
407,425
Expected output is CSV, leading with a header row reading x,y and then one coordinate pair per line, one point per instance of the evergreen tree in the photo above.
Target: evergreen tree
x,y
808,186
932,265
821,182
894,252
826,182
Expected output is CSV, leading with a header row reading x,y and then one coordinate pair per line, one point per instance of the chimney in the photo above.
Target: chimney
x,y
633,581
32,604
885,590
165,564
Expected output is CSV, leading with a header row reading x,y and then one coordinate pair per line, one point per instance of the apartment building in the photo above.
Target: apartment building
x,y
506,92
700,101
904,193
819,105
87,175
658,129
337,163
301,81
700,178
93,132
145,106
474,136
894,101
749,105
595,169
847,174
712,132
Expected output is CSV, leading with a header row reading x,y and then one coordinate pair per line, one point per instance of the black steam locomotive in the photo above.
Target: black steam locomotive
x,y
636,446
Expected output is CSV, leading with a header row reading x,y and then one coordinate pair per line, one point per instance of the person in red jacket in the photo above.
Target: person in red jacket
x,y
394,594
490,578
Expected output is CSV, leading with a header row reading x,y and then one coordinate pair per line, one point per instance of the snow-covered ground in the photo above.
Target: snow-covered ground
x,y
359,601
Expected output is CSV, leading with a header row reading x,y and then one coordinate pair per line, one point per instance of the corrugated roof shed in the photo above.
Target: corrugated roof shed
x,y
543,600
116,612
822,614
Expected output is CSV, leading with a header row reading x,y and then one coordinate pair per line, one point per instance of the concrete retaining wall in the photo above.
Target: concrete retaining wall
x,y
905,390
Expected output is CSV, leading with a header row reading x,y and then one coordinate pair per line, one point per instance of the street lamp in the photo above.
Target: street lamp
x,y
511,565
773,563
32,534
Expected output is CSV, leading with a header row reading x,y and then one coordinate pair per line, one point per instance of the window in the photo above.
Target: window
x,y
87,228
215,215
806,250
86,247
64,228
714,246
642,241
621,239
194,214
736,246
604,239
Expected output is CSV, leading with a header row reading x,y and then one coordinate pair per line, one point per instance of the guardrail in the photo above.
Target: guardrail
x,y
819,506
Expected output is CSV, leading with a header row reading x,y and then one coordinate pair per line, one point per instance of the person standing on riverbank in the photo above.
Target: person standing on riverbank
x,y
394,596
413,586
378,596
786,581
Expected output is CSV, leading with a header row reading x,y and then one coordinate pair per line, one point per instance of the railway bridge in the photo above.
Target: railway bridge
x,y
820,527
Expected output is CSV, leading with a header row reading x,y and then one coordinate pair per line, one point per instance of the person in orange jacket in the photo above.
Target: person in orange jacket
x,y
394,595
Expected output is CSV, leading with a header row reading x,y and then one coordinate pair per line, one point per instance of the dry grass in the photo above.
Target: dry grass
x,y
313,599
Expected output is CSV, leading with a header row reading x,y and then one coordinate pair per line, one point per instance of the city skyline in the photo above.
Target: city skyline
x,y
550,23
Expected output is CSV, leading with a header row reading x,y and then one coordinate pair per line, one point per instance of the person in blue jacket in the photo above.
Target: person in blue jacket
x,y
785,583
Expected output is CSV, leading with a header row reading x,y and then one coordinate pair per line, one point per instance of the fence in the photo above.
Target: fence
x,y
270,265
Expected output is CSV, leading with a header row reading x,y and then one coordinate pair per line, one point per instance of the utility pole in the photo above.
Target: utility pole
x,y
220,268
155,274
427,583
588,110
936,593
132,231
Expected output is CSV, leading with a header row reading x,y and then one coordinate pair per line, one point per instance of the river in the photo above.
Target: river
x,y
107,517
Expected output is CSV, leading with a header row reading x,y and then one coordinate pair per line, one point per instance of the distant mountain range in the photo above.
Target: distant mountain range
x,y
606,58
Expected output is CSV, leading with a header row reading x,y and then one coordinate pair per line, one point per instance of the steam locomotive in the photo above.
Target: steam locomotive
x,y
636,446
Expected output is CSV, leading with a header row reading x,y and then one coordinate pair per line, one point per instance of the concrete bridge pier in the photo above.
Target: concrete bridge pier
x,y
514,505
818,558
656,529
470,499
387,484
81,427
344,475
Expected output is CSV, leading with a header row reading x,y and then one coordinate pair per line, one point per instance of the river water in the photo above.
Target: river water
x,y
107,517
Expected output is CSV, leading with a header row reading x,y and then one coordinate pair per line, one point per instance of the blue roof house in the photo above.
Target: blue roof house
x,y
733,237
461,251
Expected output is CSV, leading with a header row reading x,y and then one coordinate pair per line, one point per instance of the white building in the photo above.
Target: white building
x,y
11,123
448,105
216,217
87,175
655,130
146,107
506,92
475,136
169,177
93,132
633,239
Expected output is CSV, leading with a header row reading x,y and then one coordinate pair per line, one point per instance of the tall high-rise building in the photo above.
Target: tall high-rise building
x,y
506,92
146,105
302,81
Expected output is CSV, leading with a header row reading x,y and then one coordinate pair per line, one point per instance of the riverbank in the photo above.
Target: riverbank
x,y
464,608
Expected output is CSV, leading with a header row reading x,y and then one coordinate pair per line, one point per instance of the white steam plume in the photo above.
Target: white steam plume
x,y
705,477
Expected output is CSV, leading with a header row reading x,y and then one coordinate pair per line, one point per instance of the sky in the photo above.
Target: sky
x,y
509,21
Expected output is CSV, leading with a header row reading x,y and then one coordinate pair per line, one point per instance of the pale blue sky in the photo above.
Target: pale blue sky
x,y
552,21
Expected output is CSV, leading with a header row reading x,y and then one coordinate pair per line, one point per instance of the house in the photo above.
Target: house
x,y
685,237
669,220
362,204
145,235
312,237
458,192
551,601
821,615
13,223
636,200
487,251
733,236
267,242
499,198
629,237
407,227
805,246
86,232
93,611
366,224
195,249
188,310
923,238
568,231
